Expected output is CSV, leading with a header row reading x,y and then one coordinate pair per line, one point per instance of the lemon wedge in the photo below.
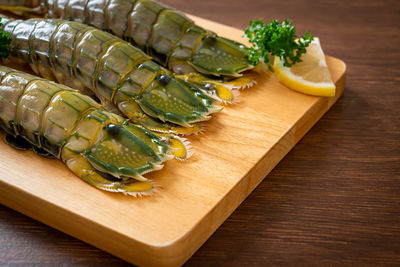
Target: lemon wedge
x,y
311,76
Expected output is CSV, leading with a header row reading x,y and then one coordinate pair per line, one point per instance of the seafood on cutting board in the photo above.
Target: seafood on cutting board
x,y
102,148
255,135
125,79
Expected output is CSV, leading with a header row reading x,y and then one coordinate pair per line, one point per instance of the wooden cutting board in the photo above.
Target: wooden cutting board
x,y
242,144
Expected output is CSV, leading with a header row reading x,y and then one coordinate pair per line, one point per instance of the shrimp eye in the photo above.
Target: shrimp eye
x,y
113,129
209,86
210,38
164,80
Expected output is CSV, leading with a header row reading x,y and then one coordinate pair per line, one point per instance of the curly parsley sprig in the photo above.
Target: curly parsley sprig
x,y
5,40
276,39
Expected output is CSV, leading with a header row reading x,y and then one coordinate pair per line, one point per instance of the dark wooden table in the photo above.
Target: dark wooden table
x,y
335,198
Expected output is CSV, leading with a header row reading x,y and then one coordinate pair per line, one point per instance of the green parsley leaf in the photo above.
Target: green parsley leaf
x,y
5,40
276,39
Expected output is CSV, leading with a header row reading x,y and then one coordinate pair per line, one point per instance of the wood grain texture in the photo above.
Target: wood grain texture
x,y
334,198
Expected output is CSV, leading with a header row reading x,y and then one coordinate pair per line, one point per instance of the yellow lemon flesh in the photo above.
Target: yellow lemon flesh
x,y
311,76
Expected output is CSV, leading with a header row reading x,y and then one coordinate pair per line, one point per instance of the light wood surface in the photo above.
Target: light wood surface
x,y
241,145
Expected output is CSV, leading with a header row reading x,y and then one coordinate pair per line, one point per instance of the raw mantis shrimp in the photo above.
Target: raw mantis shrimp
x,y
102,148
120,75
168,36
